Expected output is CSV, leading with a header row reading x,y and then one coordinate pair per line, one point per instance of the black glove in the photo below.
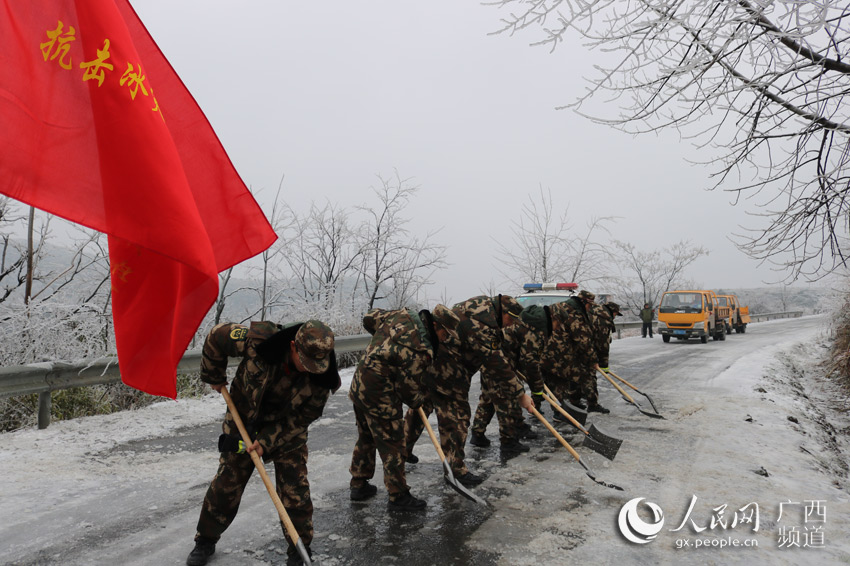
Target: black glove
x,y
227,443
537,399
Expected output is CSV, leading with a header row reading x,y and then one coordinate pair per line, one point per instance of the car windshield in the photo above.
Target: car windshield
x,y
681,302
541,300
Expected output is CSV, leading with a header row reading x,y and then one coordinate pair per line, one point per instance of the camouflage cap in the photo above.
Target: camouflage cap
x,y
314,343
586,295
511,306
446,317
614,308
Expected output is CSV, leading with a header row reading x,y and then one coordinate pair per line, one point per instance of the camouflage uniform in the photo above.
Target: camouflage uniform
x,y
523,346
389,374
480,347
277,403
569,351
602,325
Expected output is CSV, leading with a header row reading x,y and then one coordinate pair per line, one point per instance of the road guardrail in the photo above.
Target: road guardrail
x,y
46,377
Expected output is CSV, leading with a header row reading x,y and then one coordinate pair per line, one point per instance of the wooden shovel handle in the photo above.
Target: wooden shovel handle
x,y
560,438
281,510
565,413
624,381
431,434
617,387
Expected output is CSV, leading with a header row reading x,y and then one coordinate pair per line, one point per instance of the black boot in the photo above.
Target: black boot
x,y
412,458
597,408
362,492
200,555
479,440
512,448
526,431
406,502
469,479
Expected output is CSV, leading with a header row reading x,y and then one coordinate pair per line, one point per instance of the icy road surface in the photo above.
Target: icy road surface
x,y
749,467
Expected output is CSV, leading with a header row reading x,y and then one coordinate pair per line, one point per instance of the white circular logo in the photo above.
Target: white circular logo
x,y
636,529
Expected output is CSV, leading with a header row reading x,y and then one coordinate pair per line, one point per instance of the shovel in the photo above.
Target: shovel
x,y
576,413
648,398
594,438
281,510
628,397
571,450
447,469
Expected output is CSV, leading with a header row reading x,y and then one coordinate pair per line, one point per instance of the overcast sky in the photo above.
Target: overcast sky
x,y
332,94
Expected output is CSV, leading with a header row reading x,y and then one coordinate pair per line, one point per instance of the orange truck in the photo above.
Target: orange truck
x,y
692,314
739,315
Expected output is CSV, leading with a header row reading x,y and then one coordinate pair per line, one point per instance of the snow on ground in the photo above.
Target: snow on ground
x,y
33,456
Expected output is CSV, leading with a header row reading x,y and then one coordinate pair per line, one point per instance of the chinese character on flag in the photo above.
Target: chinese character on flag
x,y
96,127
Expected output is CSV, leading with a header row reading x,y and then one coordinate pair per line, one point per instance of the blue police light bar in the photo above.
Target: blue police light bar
x,y
532,286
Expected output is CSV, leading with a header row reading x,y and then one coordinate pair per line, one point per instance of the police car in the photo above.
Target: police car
x,y
546,293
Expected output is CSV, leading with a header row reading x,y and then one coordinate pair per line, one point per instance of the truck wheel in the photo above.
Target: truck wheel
x,y
665,338
743,328
722,335
738,329
728,329
704,338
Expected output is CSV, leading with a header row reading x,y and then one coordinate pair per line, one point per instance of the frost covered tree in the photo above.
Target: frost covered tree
x,y
645,276
758,85
396,263
544,247
65,312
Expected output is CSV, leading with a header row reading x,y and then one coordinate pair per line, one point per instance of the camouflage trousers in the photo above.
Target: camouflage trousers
x,y
573,383
508,413
453,415
386,436
225,493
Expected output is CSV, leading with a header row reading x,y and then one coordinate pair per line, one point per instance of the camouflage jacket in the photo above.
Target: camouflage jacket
x,y
602,325
571,342
525,343
482,344
397,360
275,401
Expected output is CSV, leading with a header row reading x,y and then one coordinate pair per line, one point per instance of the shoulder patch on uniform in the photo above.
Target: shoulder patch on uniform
x,y
238,333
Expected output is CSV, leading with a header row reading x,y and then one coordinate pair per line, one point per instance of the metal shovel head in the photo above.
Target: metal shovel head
x,y
576,413
305,556
651,402
601,443
457,486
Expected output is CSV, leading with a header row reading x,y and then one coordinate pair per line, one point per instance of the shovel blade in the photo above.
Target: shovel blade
x,y
602,443
305,556
457,486
576,413
651,402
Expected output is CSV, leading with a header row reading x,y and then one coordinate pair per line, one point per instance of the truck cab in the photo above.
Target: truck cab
x,y
739,315
691,314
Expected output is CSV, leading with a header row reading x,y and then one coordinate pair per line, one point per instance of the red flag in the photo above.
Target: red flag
x,y
98,128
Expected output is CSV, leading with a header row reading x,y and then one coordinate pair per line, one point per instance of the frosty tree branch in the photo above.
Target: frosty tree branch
x,y
758,86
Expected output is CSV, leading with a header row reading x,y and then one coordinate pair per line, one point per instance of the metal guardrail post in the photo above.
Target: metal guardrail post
x,y
44,403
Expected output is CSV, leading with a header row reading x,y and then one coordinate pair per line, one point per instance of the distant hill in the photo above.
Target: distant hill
x,y
809,299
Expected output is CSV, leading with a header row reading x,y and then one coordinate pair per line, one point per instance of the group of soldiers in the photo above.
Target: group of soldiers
x,y
424,360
